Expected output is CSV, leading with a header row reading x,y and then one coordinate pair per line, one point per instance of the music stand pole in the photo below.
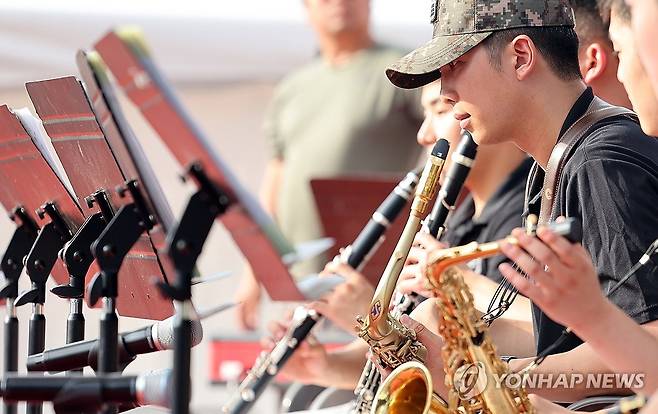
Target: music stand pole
x,y
12,266
114,243
39,262
77,258
184,248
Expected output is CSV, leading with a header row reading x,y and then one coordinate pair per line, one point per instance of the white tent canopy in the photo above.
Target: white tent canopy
x,y
194,41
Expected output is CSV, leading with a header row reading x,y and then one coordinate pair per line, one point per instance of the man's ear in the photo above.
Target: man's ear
x,y
524,56
595,62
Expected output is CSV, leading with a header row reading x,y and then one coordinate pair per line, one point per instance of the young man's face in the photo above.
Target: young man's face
x,y
632,74
481,96
439,122
645,28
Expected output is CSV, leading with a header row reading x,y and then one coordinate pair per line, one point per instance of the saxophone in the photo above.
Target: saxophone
x,y
469,356
390,341
434,224
471,363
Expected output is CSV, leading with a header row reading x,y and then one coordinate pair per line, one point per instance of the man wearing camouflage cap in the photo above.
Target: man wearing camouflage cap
x,y
510,70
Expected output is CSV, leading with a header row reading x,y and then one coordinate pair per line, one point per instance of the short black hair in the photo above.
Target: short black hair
x,y
590,24
619,6
557,44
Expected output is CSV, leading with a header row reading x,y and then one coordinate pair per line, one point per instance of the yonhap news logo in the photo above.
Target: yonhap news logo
x,y
471,380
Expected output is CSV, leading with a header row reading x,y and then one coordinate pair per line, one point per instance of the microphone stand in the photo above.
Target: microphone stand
x,y
77,258
12,266
185,245
39,262
110,249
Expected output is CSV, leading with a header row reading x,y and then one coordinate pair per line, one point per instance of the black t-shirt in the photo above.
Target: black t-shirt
x,y
500,216
610,183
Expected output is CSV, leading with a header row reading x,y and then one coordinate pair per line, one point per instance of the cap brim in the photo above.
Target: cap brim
x,y
422,66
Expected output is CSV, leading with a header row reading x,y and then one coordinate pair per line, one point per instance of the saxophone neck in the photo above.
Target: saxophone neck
x,y
381,301
440,260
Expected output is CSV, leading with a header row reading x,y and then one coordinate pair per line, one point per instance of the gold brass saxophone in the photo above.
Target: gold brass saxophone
x,y
468,353
391,342
469,356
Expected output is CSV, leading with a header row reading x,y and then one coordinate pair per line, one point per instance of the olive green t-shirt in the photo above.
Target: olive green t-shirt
x,y
326,121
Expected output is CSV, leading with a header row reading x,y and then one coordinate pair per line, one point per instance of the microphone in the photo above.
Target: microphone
x,y
462,161
76,355
87,392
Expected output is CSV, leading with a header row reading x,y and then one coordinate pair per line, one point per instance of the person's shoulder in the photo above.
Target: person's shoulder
x,y
387,53
617,141
301,76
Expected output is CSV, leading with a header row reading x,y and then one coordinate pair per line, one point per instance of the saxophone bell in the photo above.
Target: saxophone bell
x,y
408,390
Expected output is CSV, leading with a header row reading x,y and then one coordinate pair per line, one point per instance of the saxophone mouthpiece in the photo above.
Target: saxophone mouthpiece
x,y
429,181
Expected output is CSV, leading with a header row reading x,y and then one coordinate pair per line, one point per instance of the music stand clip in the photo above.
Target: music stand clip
x,y
19,246
43,255
116,240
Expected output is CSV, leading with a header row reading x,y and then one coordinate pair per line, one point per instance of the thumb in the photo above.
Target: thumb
x,y
320,306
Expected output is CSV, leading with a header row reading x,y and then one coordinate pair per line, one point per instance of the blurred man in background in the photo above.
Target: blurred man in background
x,y
337,115
645,31
597,60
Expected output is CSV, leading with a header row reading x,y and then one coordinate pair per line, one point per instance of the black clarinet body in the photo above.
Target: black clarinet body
x,y
462,161
355,255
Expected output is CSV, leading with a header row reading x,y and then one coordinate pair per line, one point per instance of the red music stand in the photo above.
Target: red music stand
x,y
31,185
126,148
29,181
253,231
83,150
345,205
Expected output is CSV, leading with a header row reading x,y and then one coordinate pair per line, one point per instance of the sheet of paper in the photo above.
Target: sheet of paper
x,y
34,128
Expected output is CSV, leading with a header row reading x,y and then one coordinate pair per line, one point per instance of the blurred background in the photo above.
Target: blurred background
x,y
224,59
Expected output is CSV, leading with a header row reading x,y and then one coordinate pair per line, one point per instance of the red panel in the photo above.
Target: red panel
x,y
144,85
78,140
346,204
28,180
133,162
241,353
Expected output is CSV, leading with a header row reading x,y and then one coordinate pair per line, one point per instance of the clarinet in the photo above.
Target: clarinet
x,y
462,160
356,255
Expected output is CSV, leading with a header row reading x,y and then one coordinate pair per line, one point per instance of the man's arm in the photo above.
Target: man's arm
x,y
568,291
312,364
585,360
249,290
271,185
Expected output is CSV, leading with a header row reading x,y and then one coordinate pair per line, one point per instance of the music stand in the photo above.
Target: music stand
x,y
258,238
91,166
345,203
126,148
36,194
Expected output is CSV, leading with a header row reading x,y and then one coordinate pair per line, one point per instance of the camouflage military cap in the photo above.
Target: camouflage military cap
x,y
460,25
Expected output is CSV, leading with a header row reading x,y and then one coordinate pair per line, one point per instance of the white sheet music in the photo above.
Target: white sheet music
x,y
34,128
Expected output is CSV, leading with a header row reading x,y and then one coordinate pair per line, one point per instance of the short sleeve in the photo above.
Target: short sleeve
x,y
509,220
271,126
615,199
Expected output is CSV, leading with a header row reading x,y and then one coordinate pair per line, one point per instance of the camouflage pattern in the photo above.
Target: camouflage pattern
x,y
460,25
